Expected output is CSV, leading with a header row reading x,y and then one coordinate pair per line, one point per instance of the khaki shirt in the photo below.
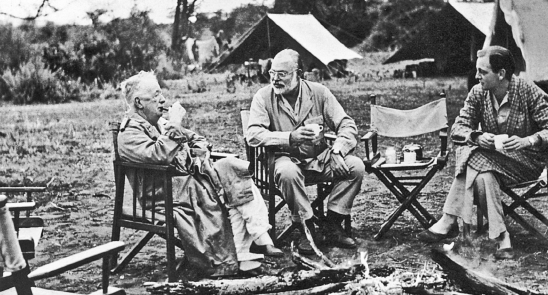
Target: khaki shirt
x,y
271,121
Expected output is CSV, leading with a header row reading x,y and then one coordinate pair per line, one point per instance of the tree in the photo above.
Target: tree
x,y
183,10
39,11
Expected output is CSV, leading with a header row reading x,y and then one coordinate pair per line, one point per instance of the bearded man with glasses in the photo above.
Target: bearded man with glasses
x,y
279,116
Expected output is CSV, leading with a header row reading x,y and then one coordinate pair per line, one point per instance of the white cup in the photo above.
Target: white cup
x,y
317,128
390,155
409,157
499,138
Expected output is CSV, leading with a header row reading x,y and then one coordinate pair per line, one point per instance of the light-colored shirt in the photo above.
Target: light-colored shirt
x,y
271,121
502,111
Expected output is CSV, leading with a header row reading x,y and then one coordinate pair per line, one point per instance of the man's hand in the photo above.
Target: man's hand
x,y
515,143
486,140
301,135
338,166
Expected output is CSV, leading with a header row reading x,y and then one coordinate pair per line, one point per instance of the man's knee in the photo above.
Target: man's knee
x,y
485,178
355,166
287,172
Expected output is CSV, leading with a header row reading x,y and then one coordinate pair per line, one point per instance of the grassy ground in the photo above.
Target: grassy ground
x,y
69,147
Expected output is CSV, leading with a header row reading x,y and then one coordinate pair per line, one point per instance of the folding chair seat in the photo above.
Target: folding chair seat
x,y
393,123
18,279
28,228
136,217
262,164
521,194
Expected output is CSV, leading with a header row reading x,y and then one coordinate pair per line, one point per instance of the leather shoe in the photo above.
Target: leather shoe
x,y
268,250
430,237
506,253
304,247
335,235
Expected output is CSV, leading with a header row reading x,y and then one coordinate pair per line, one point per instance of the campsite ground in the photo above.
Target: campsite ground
x,y
68,146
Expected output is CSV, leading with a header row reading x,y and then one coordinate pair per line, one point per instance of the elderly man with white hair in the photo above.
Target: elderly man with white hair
x,y
210,242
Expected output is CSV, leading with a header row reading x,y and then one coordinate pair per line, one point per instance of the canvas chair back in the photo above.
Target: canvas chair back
x,y
405,123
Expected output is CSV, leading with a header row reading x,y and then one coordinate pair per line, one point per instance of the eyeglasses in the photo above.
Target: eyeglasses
x,y
281,74
154,98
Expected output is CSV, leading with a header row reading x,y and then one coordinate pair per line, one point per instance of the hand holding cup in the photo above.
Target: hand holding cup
x,y
500,140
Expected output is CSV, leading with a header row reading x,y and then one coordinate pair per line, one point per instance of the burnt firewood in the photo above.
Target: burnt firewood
x,y
287,281
472,281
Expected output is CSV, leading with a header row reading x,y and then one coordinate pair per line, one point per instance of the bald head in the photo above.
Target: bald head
x,y
287,57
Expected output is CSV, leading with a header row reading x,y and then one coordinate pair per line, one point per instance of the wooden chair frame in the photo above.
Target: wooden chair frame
x,y
534,189
28,228
21,282
137,217
262,161
398,185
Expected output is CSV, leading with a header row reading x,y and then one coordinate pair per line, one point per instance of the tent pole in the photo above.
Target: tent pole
x,y
268,35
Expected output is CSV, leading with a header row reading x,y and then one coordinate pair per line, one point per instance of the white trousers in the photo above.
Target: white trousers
x,y
250,223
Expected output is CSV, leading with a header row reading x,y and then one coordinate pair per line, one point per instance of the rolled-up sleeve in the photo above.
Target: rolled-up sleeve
x,y
258,133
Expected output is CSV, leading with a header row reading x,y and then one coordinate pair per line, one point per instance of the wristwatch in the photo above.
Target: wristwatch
x,y
533,140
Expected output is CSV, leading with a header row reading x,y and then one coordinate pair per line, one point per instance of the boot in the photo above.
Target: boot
x,y
304,246
334,232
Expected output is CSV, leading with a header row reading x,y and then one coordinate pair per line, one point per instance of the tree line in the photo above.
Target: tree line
x,y
102,53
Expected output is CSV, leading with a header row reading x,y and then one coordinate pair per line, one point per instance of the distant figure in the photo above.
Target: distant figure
x,y
195,51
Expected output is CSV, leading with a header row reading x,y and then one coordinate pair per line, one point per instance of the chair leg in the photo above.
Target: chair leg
x,y
134,250
479,219
523,223
348,225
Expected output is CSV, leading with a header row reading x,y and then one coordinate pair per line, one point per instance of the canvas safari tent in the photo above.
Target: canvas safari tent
x,y
451,37
461,28
301,32
522,26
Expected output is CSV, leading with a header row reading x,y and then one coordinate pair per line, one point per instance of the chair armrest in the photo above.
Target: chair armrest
x,y
22,206
443,138
76,260
219,155
145,166
370,136
23,189
330,137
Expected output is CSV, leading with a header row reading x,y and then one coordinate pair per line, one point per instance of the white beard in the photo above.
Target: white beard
x,y
287,88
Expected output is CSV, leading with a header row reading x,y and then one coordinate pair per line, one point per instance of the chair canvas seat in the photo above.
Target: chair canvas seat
x,y
406,188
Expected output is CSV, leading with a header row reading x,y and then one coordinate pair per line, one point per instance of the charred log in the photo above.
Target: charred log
x,y
472,281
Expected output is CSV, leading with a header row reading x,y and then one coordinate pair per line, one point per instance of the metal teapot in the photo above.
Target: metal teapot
x,y
413,148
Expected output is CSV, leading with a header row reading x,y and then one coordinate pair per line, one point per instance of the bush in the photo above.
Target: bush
x,y
33,83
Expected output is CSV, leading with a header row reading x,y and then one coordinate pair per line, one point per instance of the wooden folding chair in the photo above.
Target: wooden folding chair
x,y
392,123
520,194
262,163
20,280
28,228
136,217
